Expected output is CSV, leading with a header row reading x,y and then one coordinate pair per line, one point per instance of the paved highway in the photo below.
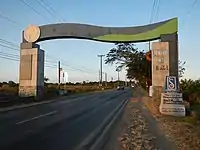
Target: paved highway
x,y
61,125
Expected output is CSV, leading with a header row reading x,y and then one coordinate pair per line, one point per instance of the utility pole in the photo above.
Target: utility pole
x,y
125,81
105,79
118,70
99,77
59,71
101,56
118,76
63,77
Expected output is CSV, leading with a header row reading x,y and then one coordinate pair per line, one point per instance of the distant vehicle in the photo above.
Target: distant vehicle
x,y
120,87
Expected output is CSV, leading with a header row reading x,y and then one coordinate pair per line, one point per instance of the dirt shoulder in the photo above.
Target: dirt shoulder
x,y
184,131
144,128
142,131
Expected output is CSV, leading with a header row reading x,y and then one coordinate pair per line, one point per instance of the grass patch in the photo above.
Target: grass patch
x,y
190,120
10,93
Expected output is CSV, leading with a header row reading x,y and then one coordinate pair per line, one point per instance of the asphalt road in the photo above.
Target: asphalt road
x,y
61,125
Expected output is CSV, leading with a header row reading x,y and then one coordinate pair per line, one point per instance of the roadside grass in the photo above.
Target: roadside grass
x,y
50,91
9,90
53,89
194,117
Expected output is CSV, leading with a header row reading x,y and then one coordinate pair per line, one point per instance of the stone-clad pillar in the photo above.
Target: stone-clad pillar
x,y
31,75
160,66
169,44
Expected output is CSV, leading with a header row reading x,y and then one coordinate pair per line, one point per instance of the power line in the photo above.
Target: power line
x,y
48,9
25,3
157,9
9,19
66,64
17,48
9,43
14,47
4,57
152,11
51,8
192,6
189,11
53,64
75,69
9,47
17,59
9,55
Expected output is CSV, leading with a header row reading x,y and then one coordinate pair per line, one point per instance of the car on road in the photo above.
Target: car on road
x,y
120,87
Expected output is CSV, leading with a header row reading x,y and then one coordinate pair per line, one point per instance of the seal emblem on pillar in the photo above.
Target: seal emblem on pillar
x,y
32,33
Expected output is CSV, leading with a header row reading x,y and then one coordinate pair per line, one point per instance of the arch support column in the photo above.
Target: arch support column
x,y
164,62
31,74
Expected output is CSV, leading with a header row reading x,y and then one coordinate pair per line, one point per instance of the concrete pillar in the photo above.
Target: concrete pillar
x,y
160,67
172,39
169,43
31,75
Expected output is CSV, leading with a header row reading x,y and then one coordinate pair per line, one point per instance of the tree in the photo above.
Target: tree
x,y
181,68
4,82
46,79
11,83
125,55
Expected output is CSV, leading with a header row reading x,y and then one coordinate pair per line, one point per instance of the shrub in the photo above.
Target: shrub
x,y
191,90
9,90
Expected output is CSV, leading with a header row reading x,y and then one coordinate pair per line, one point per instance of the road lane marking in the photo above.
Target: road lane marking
x,y
37,117
78,99
71,100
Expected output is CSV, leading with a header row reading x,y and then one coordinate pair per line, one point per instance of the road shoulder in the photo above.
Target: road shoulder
x,y
142,130
182,130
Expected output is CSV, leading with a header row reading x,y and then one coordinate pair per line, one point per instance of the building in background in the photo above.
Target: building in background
x,y
65,77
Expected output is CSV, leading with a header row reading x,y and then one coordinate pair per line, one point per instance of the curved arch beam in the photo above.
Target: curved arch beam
x,y
108,34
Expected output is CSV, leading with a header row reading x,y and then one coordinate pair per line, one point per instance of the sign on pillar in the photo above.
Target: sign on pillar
x,y
160,67
160,63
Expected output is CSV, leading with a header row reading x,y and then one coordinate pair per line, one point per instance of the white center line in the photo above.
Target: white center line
x,y
34,118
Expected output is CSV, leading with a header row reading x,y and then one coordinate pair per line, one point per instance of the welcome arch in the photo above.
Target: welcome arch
x,y
31,77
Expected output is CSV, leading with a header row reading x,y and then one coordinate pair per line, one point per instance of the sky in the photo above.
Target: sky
x,y
79,57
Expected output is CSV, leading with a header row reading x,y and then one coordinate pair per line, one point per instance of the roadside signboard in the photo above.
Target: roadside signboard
x,y
172,104
172,98
171,84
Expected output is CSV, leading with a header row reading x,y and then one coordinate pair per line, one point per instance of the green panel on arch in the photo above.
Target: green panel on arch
x,y
167,28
